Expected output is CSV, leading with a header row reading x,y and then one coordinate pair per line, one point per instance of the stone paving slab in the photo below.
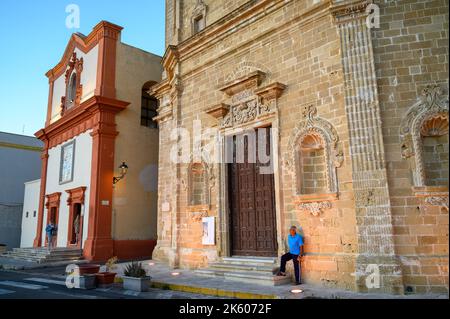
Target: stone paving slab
x,y
189,281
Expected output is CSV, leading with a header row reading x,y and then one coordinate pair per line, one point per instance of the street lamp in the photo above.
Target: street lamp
x,y
123,171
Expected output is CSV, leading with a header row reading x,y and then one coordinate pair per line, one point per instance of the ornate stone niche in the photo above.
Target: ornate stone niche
x,y
313,160
424,142
198,17
247,101
74,89
200,181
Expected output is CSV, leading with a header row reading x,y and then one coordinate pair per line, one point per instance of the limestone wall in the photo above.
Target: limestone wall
x,y
410,53
349,90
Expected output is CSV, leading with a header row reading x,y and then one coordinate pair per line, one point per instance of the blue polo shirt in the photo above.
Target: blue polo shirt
x,y
294,244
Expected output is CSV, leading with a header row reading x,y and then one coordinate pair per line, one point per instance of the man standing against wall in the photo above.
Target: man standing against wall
x,y
295,242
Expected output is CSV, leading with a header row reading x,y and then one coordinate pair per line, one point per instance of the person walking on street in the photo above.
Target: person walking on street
x,y
50,232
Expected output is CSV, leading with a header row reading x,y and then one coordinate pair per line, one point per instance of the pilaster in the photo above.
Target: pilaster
x,y
372,202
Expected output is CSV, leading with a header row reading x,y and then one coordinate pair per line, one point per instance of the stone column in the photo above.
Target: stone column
x,y
372,202
44,165
99,243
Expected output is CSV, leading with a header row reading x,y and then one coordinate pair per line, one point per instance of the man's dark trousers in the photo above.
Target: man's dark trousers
x,y
285,258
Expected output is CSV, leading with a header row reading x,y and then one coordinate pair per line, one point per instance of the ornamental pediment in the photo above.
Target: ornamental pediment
x,y
246,101
249,81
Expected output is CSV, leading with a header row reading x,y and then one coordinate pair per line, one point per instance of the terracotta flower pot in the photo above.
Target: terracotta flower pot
x,y
88,269
105,278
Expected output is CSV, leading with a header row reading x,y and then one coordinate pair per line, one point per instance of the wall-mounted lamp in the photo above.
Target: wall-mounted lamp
x,y
123,171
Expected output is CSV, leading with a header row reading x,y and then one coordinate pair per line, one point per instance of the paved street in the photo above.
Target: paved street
x,y
44,284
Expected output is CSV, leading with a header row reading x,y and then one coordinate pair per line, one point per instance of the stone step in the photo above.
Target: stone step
x,y
38,257
42,255
250,260
248,267
45,250
253,277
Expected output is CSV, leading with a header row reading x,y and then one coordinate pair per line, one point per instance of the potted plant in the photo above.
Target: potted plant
x,y
86,269
106,278
85,279
135,278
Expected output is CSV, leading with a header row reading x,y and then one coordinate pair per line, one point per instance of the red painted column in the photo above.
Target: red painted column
x,y
44,164
99,244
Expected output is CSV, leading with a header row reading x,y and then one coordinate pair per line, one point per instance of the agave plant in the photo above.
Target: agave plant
x,y
135,270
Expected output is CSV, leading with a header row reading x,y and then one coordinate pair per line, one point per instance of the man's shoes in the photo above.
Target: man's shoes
x,y
297,283
281,274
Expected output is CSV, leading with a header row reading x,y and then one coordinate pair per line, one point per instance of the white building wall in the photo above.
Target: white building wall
x,y
81,177
88,81
30,205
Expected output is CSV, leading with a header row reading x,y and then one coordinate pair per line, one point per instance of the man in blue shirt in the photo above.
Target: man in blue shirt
x,y
295,242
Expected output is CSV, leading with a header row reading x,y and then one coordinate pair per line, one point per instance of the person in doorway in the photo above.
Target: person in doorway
x,y
76,227
295,242
50,231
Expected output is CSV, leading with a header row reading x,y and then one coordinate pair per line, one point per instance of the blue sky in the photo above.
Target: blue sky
x,y
33,37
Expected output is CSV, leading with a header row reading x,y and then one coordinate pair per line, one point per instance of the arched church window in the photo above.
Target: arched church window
x,y
72,97
72,90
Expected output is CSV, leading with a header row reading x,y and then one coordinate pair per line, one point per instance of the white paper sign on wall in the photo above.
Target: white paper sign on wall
x,y
208,227
165,207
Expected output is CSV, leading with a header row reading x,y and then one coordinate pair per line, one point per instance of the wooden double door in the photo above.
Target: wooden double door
x,y
252,197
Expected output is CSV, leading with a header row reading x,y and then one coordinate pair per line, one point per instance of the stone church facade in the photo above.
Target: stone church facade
x,y
358,142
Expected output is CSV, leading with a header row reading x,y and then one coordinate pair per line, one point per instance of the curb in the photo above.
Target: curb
x,y
211,291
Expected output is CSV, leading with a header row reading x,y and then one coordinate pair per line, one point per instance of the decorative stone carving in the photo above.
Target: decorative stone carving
x,y
315,208
312,125
433,195
249,103
346,11
197,216
436,125
428,117
438,201
245,112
